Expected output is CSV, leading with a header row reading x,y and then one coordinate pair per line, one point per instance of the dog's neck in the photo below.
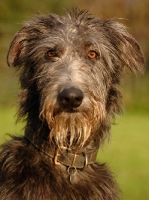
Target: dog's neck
x,y
62,155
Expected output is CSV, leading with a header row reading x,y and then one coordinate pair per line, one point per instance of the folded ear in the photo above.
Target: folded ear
x,y
16,49
25,40
126,49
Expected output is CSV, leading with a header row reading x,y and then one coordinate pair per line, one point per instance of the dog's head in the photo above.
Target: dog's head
x,y
70,67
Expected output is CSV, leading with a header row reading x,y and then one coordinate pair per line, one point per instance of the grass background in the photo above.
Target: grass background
x,y
127,155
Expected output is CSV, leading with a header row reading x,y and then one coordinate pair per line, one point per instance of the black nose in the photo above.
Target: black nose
x,y
70,98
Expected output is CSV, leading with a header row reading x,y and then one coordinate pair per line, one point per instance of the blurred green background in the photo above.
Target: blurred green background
x,y
128,152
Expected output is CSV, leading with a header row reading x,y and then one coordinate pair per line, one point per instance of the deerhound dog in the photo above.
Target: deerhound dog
x,y
70,67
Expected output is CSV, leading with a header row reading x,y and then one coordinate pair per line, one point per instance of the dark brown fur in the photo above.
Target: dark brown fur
x,y
53,54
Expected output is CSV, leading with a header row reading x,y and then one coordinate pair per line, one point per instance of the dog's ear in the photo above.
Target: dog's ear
x,y
126,48
16,49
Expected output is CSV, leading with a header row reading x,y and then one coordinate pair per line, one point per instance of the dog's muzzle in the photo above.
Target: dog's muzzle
x,y
70,98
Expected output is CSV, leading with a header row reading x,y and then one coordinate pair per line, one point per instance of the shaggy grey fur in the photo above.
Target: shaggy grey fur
x,y
70,67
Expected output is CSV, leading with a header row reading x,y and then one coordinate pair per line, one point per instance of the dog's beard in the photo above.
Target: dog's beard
x,y
70,129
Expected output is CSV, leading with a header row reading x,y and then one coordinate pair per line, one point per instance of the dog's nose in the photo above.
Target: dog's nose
x,y
70,98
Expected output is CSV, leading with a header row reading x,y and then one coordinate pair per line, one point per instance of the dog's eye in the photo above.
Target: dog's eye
x,y
51,53
92,54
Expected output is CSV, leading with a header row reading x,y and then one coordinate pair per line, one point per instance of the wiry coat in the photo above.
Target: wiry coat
x,y
53,53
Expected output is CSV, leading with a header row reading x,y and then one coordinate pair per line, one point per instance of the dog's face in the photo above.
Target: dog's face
x,y
73,64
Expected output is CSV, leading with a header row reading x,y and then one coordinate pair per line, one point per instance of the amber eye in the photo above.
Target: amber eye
x,y
92,54
51,53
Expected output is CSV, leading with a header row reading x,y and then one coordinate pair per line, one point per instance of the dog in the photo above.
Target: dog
x,y
70,68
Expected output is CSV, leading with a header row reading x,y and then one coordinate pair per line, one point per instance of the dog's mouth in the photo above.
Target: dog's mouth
x,y
72,125
70,110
